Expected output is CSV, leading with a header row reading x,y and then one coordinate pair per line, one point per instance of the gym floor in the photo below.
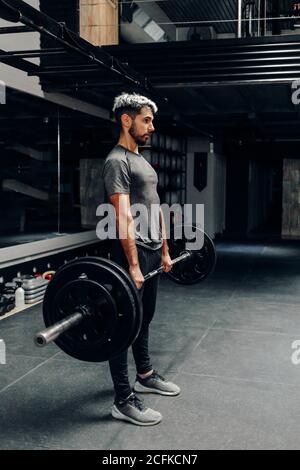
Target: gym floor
x,y
226,342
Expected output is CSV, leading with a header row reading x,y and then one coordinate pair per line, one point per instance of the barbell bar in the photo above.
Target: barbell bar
x,y
92,309
183,256
53,332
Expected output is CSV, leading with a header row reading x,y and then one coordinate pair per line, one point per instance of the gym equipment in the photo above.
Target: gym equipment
x,y
92,308
199,267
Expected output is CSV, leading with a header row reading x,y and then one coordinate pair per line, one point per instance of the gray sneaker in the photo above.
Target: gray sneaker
x,y
155,383
133,410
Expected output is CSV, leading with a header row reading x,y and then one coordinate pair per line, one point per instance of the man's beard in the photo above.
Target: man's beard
x,y
138,139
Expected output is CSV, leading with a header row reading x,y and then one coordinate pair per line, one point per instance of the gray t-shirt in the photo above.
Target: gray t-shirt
x,y
129,173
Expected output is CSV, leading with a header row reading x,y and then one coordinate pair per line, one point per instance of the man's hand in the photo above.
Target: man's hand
x,y
137,276
166,262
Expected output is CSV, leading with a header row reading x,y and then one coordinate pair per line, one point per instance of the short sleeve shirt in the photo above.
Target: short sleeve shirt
x,y
126,172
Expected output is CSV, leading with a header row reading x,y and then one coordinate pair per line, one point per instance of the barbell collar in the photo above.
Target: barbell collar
x,y
50,334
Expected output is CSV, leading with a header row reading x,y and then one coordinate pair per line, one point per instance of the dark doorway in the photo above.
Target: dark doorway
x,y
254,193
265,198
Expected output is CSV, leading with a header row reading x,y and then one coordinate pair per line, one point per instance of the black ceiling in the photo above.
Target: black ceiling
x,y
63,10
181,12
215,87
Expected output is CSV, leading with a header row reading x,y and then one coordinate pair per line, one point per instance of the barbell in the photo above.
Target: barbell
x,y
92,309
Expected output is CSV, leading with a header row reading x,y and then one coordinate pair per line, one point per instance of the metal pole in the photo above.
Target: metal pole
x,y
240,4
265,18
58,171
250,19
185,255
258,18
53,332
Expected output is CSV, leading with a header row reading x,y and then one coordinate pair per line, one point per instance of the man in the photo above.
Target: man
x,y
129,179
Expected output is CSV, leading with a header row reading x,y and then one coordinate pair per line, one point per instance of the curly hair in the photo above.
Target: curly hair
x,y
131,103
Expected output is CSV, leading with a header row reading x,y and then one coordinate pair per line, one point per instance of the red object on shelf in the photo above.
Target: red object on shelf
x,y
48,275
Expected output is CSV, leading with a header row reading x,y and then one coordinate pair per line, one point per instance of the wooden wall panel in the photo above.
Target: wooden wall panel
x,y
291,199
99,21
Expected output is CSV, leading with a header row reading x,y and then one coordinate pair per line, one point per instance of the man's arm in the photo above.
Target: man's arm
x,y
166,260
125,227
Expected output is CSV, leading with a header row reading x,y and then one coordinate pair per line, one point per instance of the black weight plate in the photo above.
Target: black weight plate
x,y
196,268
134,290
119,340
97,326
135,293
119,291
127,278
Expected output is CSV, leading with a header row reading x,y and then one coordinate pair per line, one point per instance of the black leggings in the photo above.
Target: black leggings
x,y
149,260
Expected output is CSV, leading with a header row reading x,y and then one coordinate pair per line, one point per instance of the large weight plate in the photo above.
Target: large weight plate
x,y
194,269
135,294
131,285
79,342
97,327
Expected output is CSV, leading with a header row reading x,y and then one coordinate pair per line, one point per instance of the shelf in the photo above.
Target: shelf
x,y
19,309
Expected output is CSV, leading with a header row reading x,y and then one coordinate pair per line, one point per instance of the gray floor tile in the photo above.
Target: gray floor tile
x,y
18,333
255,356
16,367
59,406
218,413
245,314
190,312
170,348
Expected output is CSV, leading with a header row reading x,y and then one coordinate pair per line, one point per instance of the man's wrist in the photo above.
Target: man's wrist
x,y
165,249
134,265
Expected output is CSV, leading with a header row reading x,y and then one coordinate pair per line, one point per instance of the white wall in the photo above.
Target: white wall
x,y
213,196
